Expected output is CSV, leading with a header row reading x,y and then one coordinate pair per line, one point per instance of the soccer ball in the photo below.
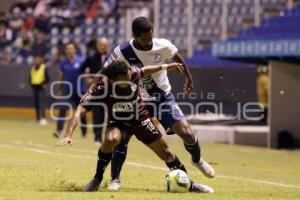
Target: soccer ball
x,y
177,181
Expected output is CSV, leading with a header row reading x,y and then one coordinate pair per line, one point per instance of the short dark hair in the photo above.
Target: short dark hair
x,y
115,69
141,25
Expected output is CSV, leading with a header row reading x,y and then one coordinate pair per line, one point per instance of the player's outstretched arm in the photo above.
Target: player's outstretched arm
x,y
188,86
72,124
176,67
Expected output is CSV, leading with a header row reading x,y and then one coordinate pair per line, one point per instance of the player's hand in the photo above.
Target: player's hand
x,y
188,86
175,67
64,141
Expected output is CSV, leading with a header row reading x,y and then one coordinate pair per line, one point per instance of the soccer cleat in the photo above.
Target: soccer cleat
x,y
200,188
43,122
92,186
205,168
56,134
114,185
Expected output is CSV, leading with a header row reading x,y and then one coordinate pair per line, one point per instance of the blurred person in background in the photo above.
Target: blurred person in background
x,y
6,55
91,66
70,70
39,43
26,48
41,23
64,11
3,18
38,79
262,90
16,20
24,37
41,8
29,21
6,35
99,7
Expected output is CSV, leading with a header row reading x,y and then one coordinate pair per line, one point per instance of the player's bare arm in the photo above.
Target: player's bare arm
x,y
176,67
88,78
72,124
188,86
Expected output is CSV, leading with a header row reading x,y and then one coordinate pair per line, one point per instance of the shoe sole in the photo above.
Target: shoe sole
x,y
204,172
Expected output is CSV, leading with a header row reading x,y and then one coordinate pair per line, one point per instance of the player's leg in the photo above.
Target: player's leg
x,y
83,126
41,99
161,149
119,156
117,161
112,138
183,129
150,135
98,121
36,103
172,116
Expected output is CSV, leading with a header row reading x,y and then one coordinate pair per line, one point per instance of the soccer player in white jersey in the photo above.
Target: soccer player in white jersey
x,y
145,50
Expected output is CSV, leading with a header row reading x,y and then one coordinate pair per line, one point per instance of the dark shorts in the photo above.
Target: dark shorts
x,y
166,110
145,130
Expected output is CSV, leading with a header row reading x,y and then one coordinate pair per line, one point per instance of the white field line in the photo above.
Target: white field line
x,y
218,176
140,165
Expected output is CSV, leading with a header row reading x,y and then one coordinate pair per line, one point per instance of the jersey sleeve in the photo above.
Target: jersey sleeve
x,y
137,74
172,49
116,54
91,97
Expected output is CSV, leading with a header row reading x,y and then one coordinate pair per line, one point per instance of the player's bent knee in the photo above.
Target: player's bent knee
x,y
184,131
113,140
113,137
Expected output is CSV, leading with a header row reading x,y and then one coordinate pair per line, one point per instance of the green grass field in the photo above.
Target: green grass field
x,y
33,168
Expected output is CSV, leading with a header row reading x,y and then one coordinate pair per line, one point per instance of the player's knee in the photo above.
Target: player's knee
x,y
185,132
113,139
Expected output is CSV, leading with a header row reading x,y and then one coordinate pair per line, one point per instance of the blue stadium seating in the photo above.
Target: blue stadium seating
x,y
286,26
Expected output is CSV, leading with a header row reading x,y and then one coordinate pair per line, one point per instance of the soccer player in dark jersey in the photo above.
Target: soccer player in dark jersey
x,y
120,93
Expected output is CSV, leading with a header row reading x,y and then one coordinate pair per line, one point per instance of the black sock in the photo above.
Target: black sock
x,y
103,161
118,160
194,150
191,186
176,164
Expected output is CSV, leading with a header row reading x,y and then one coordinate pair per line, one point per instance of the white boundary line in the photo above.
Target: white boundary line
x,y
140,165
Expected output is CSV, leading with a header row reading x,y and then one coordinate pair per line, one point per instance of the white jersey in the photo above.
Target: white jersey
x,y
162,50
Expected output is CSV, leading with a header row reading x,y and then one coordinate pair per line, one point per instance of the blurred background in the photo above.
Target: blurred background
x,y
243,54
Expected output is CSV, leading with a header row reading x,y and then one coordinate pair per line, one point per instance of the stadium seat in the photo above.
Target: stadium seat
x,y
100,21
77,31
54,31
88,21
89,31
66,31
54,40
